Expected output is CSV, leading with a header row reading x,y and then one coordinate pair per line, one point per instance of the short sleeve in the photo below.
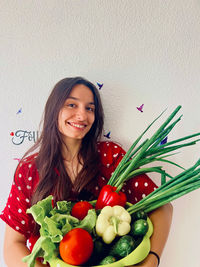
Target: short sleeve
x,y
19,200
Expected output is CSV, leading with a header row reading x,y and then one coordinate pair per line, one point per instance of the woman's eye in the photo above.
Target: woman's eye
x,y
71,105
90,109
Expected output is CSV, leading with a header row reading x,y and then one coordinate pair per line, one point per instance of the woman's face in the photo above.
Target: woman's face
x,y
77,115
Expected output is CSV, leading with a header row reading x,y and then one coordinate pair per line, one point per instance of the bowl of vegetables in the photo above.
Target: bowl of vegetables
x,y
123,250
138,248
72,236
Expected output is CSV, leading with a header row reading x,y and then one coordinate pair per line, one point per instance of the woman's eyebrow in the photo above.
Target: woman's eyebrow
x,y
75,98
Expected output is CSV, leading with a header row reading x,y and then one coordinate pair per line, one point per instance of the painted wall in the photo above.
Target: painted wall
x,y
145,52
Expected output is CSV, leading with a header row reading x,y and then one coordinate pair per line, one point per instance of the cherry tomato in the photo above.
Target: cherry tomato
x,y
80,209
76,246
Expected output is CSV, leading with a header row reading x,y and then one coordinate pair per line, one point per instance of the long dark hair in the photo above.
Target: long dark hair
x,y
53,178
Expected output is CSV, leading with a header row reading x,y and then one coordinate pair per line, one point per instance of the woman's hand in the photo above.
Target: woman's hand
x,y
15,245
150,261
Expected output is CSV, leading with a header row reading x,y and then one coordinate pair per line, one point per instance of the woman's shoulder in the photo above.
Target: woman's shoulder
x,y
108,145
28,161
26,169
110,152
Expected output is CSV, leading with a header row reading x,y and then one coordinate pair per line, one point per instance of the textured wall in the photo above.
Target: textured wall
x,y
145,52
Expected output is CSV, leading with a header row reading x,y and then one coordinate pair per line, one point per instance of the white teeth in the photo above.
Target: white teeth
x,y
77,125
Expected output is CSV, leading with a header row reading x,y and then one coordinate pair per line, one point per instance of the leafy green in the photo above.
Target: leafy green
x,y
41,209
89,222
42,248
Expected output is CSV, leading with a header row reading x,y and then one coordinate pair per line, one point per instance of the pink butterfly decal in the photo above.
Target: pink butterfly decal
x,y
17,159
140,108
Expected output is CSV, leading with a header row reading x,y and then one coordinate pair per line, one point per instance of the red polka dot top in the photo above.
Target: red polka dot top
x,y
27,177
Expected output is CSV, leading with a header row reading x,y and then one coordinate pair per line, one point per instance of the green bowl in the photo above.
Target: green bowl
x,y
138,254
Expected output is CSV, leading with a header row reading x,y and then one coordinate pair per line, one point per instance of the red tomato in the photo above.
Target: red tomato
x,y
76,246
80,209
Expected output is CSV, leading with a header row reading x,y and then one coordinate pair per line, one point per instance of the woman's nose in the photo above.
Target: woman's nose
x,y
81,114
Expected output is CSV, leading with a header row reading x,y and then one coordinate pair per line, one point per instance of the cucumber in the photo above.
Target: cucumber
x,y
139,228
139,215
124,246
107,260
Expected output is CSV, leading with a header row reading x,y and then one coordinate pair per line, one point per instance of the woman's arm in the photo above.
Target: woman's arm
x,y
161,219
15,249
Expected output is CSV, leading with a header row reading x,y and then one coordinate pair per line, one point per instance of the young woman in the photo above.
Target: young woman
x,y
71,164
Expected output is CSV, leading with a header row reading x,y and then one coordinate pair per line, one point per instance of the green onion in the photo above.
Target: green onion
x,y
149,151
184,183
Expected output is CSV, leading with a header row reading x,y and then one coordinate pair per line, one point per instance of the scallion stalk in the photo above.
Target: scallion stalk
x,y
148,151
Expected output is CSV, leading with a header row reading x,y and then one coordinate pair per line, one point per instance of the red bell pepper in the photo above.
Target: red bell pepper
x,y
108,196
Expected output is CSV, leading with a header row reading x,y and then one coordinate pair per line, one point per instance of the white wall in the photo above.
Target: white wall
x,y
143,51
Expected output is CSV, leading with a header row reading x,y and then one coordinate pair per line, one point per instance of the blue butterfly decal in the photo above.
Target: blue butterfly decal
x,y
100,85
164,141
107,135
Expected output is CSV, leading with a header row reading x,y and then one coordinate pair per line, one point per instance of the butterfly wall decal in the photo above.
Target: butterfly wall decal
x,y
107,135
164,141
140,108
19,111
100,85
18,159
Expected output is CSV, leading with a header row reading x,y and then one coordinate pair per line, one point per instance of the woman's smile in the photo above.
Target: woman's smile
x,y
77,115
77,126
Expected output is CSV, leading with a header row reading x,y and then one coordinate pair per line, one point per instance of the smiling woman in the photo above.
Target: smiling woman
x,y
72,163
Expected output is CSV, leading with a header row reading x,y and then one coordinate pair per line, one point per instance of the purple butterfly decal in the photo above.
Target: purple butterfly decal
x,y
100,85
107,135
140,108
164,141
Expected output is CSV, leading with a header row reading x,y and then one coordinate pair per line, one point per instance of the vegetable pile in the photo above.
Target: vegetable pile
x,y
110,229
100,237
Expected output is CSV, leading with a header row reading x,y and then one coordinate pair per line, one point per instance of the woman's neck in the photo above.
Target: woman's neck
x,y
70,149
71,161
